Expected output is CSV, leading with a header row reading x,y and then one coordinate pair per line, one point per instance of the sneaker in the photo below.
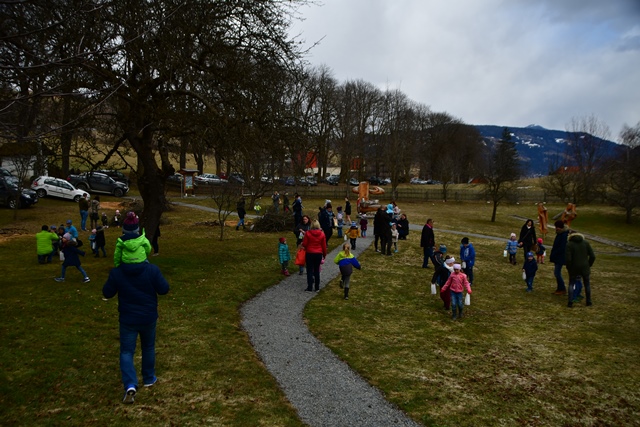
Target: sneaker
x,y
155,380
86,280
129,395
59,279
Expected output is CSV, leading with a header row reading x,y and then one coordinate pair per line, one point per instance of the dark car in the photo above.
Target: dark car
x,y
10,194
375,180
95,182
353,181
236,177
289,181
116,175
333,179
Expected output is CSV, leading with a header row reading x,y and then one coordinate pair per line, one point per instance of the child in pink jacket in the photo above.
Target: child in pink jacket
x,y
457,282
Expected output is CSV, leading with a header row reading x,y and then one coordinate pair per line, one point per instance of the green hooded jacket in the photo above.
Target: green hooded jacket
x,y
579,256
131,250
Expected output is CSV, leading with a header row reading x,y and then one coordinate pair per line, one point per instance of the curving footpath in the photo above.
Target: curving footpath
x,y
324,390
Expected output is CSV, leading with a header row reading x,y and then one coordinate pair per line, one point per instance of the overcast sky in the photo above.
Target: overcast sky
x,y
496,62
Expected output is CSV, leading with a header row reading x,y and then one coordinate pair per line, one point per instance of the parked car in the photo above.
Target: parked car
x,y
236,177
289,181
353,181
209,179
95,182
375,180
385,181
116,175
10,193
55,187
418,181
310,180
333,179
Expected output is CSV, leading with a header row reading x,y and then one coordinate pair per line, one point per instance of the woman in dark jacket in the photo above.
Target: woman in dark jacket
x,y
558,257
527,236
402,225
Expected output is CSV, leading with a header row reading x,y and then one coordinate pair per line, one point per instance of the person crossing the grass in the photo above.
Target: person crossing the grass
x,y
353,233
395,235
558,255
137,286
132,247
579,257
440,277
71,258
457,282
364,223
283,255
467,258
541,252
100,242
346,261
512,248
529,269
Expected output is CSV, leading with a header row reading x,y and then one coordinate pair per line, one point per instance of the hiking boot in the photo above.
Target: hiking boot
x,y
129,395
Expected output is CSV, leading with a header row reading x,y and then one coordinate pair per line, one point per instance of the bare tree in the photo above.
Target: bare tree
x,y
502,170
225,197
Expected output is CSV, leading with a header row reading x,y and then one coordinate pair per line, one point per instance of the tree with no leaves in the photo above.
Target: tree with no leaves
x,y
502,170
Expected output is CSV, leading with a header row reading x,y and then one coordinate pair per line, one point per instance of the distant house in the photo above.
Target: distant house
x,y
564,170
478,180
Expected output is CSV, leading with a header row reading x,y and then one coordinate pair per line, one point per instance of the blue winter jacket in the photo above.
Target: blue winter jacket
x,y
138,287
468,254
559,247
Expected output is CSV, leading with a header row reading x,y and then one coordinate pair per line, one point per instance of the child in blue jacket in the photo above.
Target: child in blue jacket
x,y
284,256
512,248
467,258
529,269
346,261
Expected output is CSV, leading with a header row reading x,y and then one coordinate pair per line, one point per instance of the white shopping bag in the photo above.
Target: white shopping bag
x,y
464,265
524,276
61,256
433,289
504,253
467,299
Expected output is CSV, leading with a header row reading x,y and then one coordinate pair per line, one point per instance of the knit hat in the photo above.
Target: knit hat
x,y
529,254
117,211
443,249
450,260
353,224
130,223
559,223
540,240
282,240
53,227
94,231
389,208
464,240
513,234
67,236
457,267
69,221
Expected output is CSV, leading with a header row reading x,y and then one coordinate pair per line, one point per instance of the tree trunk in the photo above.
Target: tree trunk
x,y
495,210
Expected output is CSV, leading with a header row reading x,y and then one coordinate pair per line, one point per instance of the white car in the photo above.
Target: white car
x,y
56,187
210,179
418,181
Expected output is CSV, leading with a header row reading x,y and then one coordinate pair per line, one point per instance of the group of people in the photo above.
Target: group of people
x,y
136,282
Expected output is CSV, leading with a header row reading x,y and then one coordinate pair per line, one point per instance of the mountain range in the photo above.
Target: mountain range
x,y
540,149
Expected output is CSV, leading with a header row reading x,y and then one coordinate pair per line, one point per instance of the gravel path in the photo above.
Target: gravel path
x,y
324,390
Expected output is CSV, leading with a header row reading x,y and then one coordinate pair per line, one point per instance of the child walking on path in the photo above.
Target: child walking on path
x,y
284,255
71,258
529,269
512,248
363,225
353,233
457,282
346,261
340,220
540,253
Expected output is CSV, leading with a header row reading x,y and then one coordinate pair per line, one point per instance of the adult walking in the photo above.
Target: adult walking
x,y
297,208
83,204
325,217
347,210
527,236
315,246
558,257
428,244
377,227
579,258
240,207
94,214
137,287
276,201
386,219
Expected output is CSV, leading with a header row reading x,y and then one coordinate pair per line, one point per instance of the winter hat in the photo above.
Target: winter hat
x,y
328,206
94,231
540,240
559,223
450,260
443,249
457,267
69,221
117,211
389,208
67,236
529,254
513,234
282,240
130,223
53,227
464,240
353,224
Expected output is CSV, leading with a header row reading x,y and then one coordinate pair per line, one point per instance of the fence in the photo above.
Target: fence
x,y
523,195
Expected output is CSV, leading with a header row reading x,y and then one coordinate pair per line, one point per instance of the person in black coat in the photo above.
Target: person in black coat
x,y
428,243
385,221
527,236
558,256
402,224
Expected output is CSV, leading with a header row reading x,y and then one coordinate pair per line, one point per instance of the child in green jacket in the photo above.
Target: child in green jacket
x,y
132,247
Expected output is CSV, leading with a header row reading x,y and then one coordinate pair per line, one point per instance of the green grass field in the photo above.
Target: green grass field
x,y
515,359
